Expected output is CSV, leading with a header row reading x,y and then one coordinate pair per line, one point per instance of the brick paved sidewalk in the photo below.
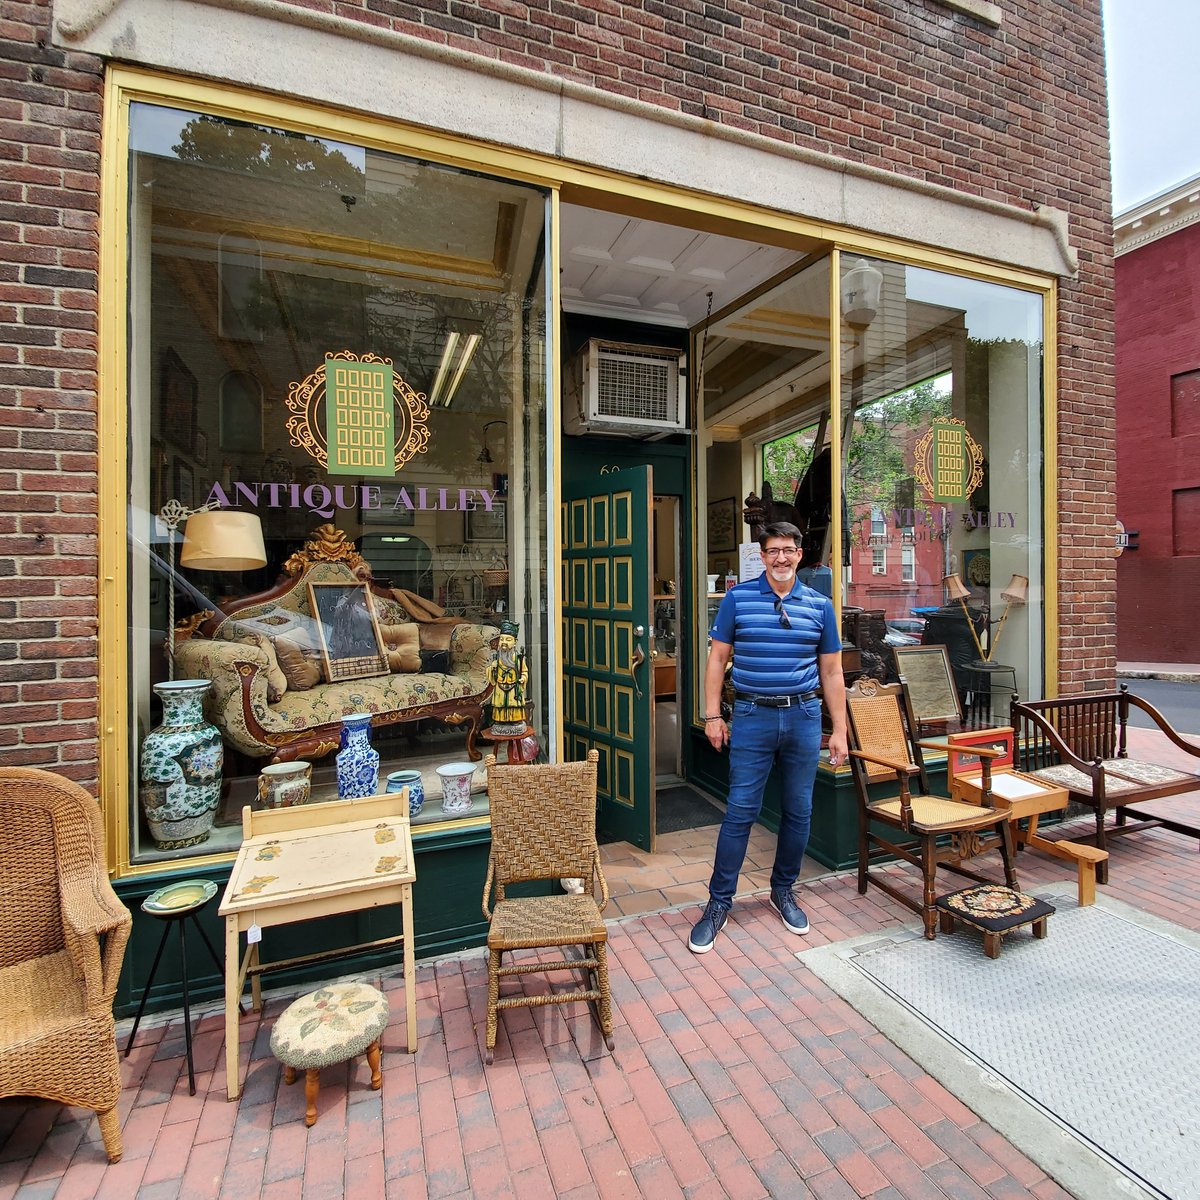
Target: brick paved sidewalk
x,y
736,1073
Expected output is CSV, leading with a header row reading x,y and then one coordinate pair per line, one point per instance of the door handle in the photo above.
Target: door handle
x,y
639,657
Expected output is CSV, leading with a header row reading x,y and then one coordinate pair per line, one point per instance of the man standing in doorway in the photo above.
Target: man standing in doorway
x,y
786,639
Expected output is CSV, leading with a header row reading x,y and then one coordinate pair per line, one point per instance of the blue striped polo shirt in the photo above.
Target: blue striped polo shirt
x,y
768,659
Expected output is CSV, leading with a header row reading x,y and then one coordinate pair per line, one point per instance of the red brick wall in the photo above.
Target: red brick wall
x,y
1016,114
50,105
1158,335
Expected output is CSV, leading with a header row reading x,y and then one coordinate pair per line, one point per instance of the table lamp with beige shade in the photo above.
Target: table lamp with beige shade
x,y
214,539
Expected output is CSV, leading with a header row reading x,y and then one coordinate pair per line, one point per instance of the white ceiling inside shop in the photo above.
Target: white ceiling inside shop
x,y
642,270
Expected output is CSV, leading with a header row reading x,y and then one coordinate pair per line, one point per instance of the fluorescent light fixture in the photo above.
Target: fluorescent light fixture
x,y
456,357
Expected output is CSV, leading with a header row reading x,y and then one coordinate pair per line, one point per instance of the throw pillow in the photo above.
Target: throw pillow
x,y
403,647
277,682
301,671
435,635
435,662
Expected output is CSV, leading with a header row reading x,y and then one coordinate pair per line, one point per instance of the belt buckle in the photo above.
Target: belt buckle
x,y
784,702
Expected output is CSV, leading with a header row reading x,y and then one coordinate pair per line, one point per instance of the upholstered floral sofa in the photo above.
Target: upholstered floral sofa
x,y
270,698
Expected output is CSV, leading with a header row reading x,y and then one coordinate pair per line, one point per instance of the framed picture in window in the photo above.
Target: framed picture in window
x,y
351,641
722,519
484,525
185,484
177,398
240,414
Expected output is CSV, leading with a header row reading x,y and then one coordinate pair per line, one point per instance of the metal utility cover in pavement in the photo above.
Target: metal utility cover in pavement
x,y
1097,1026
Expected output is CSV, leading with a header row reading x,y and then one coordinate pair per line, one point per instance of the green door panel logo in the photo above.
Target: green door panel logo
x,y
949,462
356,416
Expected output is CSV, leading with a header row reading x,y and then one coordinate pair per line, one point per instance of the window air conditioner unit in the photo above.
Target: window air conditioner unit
x,y
879,570
621,389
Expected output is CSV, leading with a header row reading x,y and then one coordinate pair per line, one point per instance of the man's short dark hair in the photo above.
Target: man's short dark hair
x,y
779,529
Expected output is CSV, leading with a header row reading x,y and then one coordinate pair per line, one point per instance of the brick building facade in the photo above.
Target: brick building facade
x,y
970,137
1158,410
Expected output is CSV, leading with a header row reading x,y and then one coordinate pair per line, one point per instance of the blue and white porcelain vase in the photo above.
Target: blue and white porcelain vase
x,y
357,761
181,766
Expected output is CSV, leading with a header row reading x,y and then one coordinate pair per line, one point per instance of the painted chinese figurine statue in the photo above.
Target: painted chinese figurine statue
x,y
508,674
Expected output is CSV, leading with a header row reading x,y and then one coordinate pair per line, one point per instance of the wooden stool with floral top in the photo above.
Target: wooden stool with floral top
x,y
328,1026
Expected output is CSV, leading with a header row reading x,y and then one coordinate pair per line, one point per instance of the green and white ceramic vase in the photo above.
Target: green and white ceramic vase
x,y
181,767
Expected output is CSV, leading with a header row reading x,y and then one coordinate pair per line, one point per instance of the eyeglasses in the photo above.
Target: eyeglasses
x,y
784,619
781,552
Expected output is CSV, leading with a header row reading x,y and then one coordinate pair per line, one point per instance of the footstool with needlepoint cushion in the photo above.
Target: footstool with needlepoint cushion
x,y
331,1025
994,910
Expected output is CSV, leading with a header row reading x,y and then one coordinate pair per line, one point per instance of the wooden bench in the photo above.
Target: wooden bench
x,y
1080,743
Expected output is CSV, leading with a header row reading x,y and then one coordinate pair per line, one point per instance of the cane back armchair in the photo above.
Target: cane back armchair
x,y
929,831
544,828
62,938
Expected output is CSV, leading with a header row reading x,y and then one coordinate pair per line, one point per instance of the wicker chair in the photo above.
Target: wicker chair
x,y
939,832
62,938
544,828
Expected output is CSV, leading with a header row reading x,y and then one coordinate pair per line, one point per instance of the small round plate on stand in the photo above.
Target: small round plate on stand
x,y
180,897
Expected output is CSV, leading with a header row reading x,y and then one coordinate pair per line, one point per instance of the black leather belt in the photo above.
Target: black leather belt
x,y
776,701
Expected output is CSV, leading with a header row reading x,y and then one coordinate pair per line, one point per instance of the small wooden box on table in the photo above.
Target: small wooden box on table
x,y
1025,798
316,860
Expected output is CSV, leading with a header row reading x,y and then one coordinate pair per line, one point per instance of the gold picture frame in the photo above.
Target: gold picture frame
x,y
348,626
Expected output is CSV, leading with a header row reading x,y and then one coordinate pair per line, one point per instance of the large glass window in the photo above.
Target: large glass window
x,y
938,482
941,408
337,464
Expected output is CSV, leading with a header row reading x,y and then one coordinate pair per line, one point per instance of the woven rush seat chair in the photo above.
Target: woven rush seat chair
x,y
62,939
544,828
936,831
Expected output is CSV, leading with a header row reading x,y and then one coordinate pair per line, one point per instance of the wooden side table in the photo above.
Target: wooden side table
x,y
317,860
1027,798
174,905
513,741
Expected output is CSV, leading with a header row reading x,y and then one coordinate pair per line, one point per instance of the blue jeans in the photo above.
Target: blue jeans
x,y
760,737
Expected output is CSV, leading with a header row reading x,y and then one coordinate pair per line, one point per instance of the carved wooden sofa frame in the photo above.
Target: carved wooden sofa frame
x,y
327,544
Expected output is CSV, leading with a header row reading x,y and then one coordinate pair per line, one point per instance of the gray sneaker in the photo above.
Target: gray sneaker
x,y
707,928
785,904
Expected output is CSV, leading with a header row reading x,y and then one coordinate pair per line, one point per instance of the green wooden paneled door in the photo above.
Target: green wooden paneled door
x,y
609,688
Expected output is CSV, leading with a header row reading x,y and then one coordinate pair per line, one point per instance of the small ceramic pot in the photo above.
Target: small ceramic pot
x,y
456,786
285,785
397,781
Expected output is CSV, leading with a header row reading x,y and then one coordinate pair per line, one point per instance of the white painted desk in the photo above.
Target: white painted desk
x,y
317,860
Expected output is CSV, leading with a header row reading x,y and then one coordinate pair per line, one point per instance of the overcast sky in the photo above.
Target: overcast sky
x,y
1154,102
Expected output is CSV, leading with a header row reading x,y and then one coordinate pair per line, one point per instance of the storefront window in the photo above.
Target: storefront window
x,y
337,464
941,404
938,481
765,389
